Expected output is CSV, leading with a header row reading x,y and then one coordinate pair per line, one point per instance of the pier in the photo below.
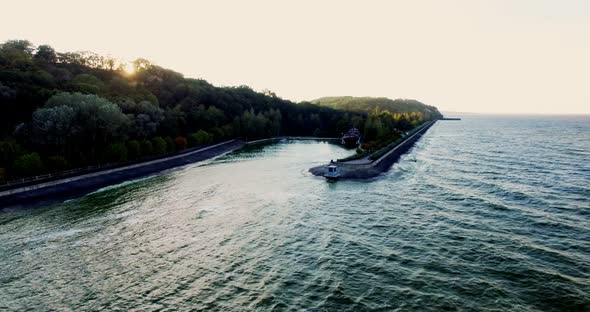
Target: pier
x,y
366,167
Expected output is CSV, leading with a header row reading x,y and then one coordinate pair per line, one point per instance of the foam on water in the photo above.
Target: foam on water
x,y
489,213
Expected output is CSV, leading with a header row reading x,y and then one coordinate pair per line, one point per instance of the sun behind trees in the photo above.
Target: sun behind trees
x,y
66,110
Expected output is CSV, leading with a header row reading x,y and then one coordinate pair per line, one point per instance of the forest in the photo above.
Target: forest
x,y
64,110
385,120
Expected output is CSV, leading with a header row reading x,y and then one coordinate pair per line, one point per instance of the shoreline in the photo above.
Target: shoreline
x,y
83,184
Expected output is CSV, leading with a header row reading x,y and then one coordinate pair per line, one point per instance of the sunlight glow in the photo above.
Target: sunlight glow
x,y
512,56
129,69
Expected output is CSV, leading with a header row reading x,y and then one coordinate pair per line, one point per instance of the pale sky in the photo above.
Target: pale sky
x,y
500,56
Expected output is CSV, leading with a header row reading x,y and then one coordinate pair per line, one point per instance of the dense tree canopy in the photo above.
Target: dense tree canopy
x,y
64,110
381,104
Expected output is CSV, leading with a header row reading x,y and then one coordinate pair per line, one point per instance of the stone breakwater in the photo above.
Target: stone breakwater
x,y
364,169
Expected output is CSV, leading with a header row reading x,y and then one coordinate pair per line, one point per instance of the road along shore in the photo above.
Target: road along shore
x,y
81,184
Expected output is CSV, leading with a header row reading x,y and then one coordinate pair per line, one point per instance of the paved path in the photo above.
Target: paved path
x,y
361,161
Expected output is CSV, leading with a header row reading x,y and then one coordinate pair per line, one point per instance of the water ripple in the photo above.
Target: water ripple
x,y
491,214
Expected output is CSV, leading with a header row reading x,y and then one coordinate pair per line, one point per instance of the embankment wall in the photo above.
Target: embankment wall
x,y
73,186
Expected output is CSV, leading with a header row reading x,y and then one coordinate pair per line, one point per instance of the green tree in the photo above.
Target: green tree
x,y
201,137
37,111
9,151
24,46
228,130
120,86
133,150
28,165
145,117
57,163
159,145
373,128
86,121
169,144
17,54
54,126
146,148
45,54
116,153
87,83
43,78
216,134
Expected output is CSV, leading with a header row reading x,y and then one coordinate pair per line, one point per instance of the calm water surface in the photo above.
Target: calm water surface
x,y
488,213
